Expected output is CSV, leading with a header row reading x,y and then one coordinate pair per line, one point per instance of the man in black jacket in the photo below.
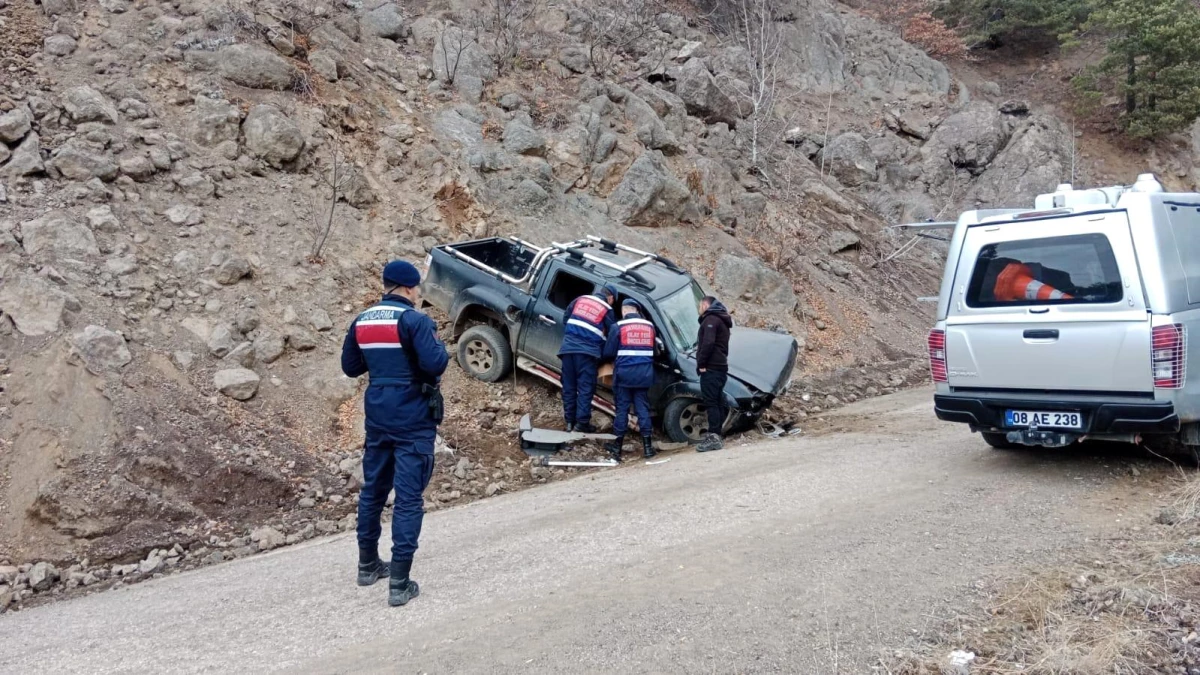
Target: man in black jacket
x,y
712,360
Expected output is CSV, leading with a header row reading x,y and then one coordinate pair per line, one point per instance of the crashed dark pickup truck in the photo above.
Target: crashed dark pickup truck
x,y
506,299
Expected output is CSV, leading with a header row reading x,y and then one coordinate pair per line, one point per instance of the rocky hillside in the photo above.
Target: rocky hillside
x,y
197,196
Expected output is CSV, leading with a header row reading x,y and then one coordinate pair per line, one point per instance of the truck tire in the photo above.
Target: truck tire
x,y
998,441
684,420
485,354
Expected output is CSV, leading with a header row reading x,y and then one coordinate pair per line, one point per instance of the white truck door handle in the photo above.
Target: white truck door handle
x,y
547,320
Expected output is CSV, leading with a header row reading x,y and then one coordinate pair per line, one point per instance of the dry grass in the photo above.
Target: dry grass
x,y
1128,606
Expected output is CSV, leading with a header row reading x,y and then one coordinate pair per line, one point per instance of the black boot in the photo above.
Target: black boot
x,y
401,589
585,428
370,567
647,448
614,448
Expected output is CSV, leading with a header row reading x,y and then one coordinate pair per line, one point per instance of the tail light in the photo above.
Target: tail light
x,y
937,355
1169,356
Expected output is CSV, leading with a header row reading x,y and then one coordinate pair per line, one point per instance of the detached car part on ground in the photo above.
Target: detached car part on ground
x,y
506,299
1070,321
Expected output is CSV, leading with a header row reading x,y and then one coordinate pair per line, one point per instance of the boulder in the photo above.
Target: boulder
x,y
324,61
42,576
268,348
5,153
358,191
332,388
649,195
970,139
651,130
76,160
384,21
101,349
703,98
910,123
14,124
239,384
221,340
848,157
575,59
59,45
138,167
102,219
85,104
59,7
35,306
60,233
256,67
268,538
213,122
184,214
114,6
749,280
271,136
1037,155
232,270
457,54
26,158
841,240
451,125
513,101
529,195
523,140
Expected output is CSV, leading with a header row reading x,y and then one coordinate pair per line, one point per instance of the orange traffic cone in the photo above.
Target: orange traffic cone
x,y
1016,283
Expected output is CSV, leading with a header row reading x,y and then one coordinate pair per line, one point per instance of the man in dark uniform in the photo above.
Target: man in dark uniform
x,y
712,360
630,346
587,320
399,347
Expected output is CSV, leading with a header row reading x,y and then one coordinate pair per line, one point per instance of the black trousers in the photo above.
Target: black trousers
x,y
712,389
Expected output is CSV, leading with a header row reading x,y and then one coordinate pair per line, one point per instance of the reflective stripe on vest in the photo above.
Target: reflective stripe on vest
x,y
379,327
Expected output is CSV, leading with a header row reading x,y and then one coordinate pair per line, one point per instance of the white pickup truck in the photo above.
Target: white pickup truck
x,y
1070,320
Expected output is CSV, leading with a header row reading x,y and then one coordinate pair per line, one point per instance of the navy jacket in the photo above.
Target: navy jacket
x,y
587,320
630,346
375,344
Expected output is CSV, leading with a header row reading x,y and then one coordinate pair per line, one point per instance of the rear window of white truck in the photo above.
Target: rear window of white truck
x,y
1074,269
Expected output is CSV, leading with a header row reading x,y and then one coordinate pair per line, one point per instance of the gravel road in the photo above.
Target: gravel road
x,y
801,555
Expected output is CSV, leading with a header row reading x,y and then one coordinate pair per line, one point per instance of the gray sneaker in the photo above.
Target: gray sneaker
x,y
401,591
711,442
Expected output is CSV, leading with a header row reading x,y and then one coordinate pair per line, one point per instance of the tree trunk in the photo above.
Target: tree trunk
x,y
1130,83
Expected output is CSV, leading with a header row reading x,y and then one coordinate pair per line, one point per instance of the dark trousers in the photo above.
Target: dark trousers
x,y
639,399
578,387
391,462
712,389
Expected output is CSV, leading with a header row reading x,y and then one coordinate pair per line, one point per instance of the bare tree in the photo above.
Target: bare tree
x,y
613,28
453,43
336,177
506,22
759,35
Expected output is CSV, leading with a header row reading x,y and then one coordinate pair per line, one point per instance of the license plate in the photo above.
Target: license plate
x,y
1043,420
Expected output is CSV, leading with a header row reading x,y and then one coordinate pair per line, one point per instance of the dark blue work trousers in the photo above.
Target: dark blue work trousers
x,y
579,372
639,399
390,461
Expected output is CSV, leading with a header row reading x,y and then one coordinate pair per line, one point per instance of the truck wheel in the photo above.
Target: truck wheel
x,y
998,441
684,420
485,354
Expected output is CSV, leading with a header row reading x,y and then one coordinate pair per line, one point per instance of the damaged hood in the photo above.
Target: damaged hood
x,y
761,359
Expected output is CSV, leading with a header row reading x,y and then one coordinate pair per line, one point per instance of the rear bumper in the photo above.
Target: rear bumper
x,y
986,413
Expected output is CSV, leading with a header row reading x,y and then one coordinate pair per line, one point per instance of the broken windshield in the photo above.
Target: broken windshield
x,y
681,312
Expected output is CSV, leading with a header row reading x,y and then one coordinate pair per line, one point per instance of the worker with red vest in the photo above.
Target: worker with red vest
x,y
630,346
398,347
587,320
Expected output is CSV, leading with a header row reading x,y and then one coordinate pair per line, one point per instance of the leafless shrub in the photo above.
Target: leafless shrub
x,y
451,46
335,177
615,28
506,23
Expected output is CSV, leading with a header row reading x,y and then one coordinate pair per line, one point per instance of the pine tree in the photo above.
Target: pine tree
x,y
995,22
1153,60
